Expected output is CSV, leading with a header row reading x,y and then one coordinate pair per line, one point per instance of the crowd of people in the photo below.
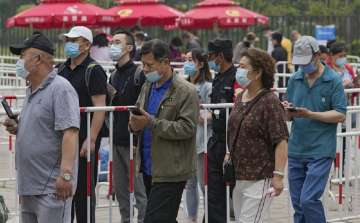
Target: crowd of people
x,y
169,125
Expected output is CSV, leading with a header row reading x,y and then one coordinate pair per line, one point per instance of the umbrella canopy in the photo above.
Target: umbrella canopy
x,y
59,14
144,13
224,13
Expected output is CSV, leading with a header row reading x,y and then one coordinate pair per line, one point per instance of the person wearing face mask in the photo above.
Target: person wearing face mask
x,y
139,42
338,62
257,139
91,93
197,69
46,136
316,104
223,91
166,125
127,79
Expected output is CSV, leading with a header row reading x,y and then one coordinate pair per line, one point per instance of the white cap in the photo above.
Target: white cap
x,y
80,31
304,49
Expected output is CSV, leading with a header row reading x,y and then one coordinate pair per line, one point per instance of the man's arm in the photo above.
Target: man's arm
x,y
99,117
335,115
69,149
182,128
96,123
185,126
328,116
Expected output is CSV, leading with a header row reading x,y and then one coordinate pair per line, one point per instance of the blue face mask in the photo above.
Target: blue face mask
x,y
21,70
190,69
213,66
341,61
241,77
153,76
308,69
72,50
115,52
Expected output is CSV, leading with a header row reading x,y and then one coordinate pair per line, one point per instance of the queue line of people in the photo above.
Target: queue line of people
x,y
168,126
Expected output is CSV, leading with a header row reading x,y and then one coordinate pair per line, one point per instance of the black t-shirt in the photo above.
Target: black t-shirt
x,y
97,86
280,54
128,91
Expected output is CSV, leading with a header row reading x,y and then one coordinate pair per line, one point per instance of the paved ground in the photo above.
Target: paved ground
x,y
280,210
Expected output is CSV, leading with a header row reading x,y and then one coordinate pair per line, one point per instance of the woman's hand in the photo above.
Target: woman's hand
x,y
226,159
277,184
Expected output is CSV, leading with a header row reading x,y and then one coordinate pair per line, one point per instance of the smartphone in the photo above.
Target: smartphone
x,y
135,111
8,110
292,109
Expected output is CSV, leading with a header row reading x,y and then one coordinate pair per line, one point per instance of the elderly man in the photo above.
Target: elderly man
x,y
167,120
46,136
316,104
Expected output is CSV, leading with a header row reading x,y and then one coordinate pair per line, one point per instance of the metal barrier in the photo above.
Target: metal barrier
x,y
343,197
353,59
8,70
356,68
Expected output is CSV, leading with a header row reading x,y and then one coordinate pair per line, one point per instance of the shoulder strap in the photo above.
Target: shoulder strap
x,y
137,78
88,72
112,77
246,112
60,68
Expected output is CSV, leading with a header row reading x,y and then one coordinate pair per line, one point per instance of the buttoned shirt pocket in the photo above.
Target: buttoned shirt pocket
x,y
325,100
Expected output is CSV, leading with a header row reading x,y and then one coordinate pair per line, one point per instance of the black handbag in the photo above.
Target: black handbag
x,y
229,172
229,169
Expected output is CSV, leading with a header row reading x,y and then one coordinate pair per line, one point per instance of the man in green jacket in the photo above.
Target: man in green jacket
x,y
169,108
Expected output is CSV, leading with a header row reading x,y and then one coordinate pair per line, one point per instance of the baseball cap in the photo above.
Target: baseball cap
x,y
37,41
80,31
220,45
304,49
251,37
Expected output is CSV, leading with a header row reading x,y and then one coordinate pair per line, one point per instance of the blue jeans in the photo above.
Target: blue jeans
x,y
307,182
192,191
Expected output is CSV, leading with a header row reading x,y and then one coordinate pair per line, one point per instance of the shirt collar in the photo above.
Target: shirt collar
x,y
51,76
85,63
325,77
165,85
125,66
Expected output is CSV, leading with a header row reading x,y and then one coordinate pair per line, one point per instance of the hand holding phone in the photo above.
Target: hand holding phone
x,y
136,111
8,110
292,109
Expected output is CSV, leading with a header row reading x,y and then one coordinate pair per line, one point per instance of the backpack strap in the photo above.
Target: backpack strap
x,y
61,68
88,72
137,76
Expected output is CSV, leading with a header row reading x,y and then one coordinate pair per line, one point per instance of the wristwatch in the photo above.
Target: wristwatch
x,y
67,177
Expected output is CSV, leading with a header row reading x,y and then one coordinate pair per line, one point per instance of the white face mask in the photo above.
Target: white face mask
x,y
21,71
116,51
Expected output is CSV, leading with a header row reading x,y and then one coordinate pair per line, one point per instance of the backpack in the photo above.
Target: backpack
x,y
110,94
4,211
111,91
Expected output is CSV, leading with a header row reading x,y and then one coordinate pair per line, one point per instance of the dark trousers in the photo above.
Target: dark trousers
x,y
147,183
216,184
79,204
164,202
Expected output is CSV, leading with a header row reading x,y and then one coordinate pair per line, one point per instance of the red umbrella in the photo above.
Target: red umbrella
x,y
59,14
144,13
224,13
